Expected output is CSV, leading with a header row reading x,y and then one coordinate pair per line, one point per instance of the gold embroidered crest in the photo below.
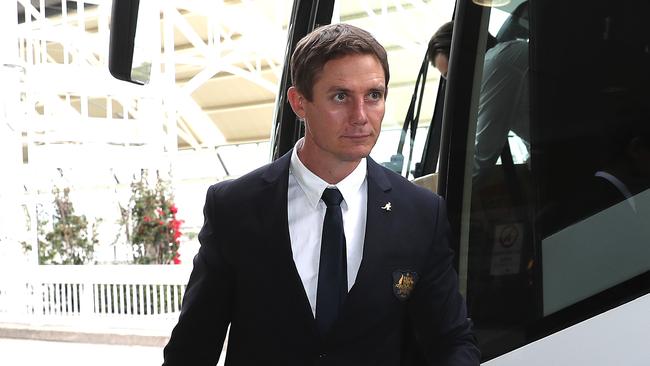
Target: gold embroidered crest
x,y
404,283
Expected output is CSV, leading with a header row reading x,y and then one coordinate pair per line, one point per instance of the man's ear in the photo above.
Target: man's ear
x,y
296,101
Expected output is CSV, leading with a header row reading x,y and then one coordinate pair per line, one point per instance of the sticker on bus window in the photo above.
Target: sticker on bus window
x,y
506,252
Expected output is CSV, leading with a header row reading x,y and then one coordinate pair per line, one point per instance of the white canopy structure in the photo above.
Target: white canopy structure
x,y
206,114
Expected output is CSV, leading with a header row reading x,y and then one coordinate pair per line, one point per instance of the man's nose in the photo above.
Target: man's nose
x,y
358,113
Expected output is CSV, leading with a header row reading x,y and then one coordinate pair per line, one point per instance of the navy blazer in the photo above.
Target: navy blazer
x,y
244,276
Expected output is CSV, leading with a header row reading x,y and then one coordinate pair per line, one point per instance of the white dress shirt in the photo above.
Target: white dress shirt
x,y
306,213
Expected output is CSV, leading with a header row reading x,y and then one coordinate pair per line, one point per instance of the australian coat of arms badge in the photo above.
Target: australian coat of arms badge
x,y
404,283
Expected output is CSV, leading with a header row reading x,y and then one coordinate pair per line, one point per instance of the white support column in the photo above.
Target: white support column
x,y
169,79
13,227
82,53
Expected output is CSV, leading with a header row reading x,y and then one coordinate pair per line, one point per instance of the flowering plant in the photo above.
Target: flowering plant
x,y
70,240
151,224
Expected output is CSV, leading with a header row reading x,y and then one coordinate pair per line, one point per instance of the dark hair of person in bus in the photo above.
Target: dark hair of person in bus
x,y
317,48
516,26
440,47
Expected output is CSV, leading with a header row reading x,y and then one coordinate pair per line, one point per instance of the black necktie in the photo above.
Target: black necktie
x,y
332,271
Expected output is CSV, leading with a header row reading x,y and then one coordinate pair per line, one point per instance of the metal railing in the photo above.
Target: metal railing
x,y
93,296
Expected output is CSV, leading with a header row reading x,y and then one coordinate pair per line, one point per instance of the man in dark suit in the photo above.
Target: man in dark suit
x,y
359,277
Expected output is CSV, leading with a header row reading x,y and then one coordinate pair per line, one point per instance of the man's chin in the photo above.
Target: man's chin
x,y
353,156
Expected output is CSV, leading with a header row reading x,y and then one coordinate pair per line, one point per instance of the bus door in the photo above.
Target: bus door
x,y
544,164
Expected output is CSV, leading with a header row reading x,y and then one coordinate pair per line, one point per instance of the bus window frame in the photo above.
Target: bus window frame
x,y
459,109
306,15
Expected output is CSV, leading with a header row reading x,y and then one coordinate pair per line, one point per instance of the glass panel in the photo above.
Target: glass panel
x,y
560,200
500,291
594,149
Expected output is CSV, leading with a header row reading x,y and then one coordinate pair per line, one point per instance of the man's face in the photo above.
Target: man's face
x,y
343,120
441,62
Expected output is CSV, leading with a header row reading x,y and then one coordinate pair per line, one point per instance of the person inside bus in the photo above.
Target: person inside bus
x,y
503,101
324,256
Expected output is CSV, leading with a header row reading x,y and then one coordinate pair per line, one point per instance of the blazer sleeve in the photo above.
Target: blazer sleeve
x,y
437,310
198,337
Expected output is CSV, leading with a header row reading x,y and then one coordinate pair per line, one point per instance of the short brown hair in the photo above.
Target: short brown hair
x,y
440,43
327,43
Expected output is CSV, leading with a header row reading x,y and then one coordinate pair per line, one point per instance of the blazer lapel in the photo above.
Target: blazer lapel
x,y
277,227
378,222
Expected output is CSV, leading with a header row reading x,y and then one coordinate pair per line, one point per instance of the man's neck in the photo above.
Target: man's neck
x,y
328,170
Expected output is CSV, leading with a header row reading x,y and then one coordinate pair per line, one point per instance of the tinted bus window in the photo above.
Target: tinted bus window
x,y
559,205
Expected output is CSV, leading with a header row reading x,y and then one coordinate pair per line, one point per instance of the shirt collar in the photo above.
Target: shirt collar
x,y
313,185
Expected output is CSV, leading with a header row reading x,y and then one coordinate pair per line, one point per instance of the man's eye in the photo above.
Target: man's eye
x,y
375,95
339,97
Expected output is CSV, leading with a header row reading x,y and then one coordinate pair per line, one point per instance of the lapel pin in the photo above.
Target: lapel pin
x,y
386,207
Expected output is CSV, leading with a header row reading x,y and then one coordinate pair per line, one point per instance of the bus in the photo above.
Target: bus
x,y
551,232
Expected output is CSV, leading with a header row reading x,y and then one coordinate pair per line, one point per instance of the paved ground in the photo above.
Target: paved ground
x,y
21,352
25,352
